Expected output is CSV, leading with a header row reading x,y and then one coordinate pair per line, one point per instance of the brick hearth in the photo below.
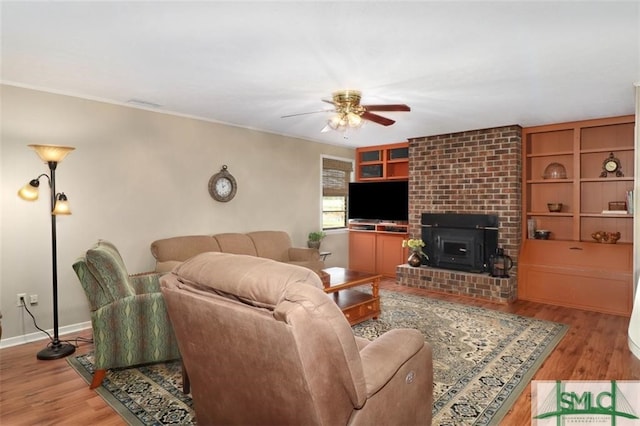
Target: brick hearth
x,y
475,171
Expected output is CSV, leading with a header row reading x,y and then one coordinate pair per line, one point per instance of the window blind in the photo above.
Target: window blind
x,y
335,177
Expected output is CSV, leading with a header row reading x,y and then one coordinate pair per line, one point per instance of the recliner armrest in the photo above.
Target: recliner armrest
x,y
383,357
298,254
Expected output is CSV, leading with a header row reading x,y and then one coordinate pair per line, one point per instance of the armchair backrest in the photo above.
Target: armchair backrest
x,y
96,294
103,275
262,334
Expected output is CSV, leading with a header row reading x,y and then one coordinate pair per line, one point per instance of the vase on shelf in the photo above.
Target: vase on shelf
x,y
414,259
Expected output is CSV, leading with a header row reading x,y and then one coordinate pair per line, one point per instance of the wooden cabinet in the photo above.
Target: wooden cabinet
x,y
383,162
377,247
362,251
584,275
570,268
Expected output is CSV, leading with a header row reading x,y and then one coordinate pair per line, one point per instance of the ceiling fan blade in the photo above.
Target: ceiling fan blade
x,y
377,119
388,107
306,113
328,101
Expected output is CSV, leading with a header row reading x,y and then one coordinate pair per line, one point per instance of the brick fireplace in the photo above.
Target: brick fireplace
x,y
475,172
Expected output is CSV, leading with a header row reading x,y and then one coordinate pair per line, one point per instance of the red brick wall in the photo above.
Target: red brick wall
x,y
475,171
478,172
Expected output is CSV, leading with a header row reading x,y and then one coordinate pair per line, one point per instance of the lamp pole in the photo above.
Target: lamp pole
x,y
55,349
51,155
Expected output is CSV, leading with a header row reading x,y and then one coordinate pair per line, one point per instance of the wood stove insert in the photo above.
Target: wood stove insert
x,y
459,241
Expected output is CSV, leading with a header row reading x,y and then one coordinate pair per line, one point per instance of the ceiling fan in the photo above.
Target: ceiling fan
x,y
350,114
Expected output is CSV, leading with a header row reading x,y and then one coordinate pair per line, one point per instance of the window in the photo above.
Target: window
x,y
336,175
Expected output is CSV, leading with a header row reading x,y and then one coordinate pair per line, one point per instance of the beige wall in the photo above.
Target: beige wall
x,y
134,177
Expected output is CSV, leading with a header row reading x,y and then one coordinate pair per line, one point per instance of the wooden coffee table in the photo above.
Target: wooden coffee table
x,y
356,305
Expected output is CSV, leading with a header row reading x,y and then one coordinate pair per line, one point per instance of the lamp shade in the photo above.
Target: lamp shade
x,y
335,121
354,119
49,153
62,206
30,191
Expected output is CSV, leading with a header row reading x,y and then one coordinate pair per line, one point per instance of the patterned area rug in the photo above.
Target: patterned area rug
x,y
483,360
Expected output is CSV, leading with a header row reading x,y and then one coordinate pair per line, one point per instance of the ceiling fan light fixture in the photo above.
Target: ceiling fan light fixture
x,y
354,119
349,114
345,120
336,121
347,97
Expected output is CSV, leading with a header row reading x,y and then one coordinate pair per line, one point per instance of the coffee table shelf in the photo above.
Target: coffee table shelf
x,y
357,306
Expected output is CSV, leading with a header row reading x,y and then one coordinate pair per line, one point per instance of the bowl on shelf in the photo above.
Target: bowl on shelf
x,y
554,207
606,237
542,234
555,171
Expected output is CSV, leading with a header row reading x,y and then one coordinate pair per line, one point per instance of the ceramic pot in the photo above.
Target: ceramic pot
x,y
415,259
313,244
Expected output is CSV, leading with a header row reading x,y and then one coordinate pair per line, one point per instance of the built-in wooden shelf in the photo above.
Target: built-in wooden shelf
x,y
571,268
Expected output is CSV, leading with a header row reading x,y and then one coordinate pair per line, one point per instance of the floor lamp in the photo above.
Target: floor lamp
x,y
51,155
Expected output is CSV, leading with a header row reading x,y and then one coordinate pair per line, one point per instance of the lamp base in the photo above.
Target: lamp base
x,y
56,350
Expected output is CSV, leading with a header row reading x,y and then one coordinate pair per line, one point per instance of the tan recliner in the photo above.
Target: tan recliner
x,y
264,345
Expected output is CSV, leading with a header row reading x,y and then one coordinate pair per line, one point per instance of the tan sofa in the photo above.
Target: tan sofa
x,y
263,345
275,245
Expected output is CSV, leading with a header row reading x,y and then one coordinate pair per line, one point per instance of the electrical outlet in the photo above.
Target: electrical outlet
x,y
20,296
33,299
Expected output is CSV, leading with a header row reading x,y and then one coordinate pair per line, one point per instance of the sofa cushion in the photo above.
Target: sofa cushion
x,y
236,243
271,244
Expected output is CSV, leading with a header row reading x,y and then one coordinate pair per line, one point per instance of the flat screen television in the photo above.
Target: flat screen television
x,y
384,200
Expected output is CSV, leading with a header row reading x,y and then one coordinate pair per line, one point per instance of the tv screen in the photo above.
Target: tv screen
x,y
385,200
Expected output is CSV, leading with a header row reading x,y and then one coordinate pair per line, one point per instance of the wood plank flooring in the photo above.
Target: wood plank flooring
x,y
34,392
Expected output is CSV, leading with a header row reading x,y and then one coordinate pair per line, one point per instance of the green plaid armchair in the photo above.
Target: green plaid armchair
x,y
128,314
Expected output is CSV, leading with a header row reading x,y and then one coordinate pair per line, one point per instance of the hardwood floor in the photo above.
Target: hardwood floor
x,y
34,392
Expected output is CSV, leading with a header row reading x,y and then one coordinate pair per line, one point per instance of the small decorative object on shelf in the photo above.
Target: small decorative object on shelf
x,y
617,205
531,228
606,237
416,255
555,171
611,165
542,234
554,207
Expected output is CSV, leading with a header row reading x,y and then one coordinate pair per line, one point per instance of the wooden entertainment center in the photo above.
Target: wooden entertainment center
x,y
571,268
376,246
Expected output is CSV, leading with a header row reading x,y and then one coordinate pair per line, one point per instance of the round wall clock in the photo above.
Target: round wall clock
x,y
611,165
222,185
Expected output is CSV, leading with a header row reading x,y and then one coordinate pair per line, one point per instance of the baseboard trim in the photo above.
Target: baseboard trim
x,y
34,337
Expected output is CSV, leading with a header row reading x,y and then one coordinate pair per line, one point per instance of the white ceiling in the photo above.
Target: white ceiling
x,y
459,65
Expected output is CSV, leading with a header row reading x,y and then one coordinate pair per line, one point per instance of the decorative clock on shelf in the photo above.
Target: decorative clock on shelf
x,y
611,165
222,185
